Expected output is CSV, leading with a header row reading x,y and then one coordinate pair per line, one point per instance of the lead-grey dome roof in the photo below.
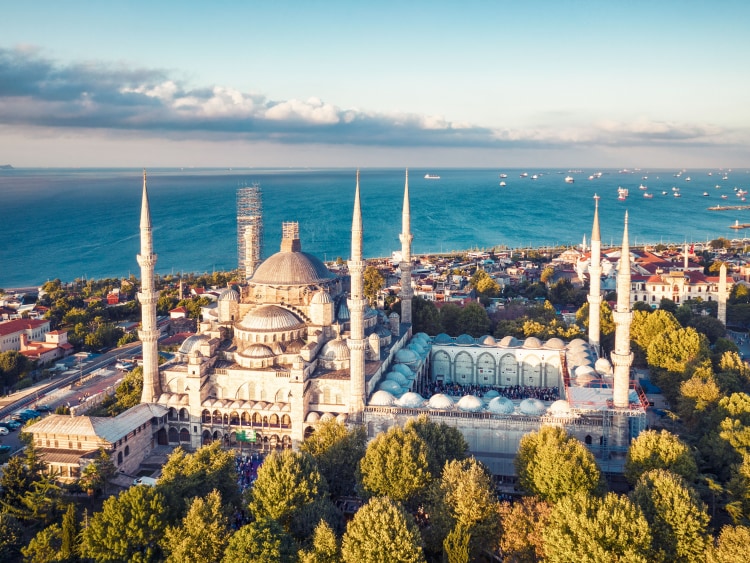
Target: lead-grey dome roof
x,y
292,268
193,343
270,318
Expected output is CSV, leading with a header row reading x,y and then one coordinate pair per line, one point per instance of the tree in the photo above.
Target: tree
x,y
425,316
597,530
374,282
382,532
449,319
709,326
262,541
187,475
547,274
731,546
44,547
523,524
97,474
674,350
337,451
552,464
464,498
12,365
288,484
128,528
659,450
676,516
456,545
325,547
474,320
444,443
69,534
395,465
203,534
11,537
128,393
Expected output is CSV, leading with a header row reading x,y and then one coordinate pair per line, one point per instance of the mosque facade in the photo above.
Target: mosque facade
x,y
296,345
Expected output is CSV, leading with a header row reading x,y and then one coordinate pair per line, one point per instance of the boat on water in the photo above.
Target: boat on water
x,y
503,175
705,194
648,196
502,183
724,196
622,193
535,177
431,177
524,174
677,194
642,187
687,179
664,192
569,179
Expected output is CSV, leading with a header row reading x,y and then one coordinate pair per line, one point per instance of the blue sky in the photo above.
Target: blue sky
x,y
430,84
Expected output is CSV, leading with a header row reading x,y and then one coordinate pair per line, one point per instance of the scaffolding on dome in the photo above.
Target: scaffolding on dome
x,y
249,228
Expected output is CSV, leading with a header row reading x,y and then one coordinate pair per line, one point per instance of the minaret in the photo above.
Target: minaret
x,y
722,313
595,282
685,268
406,237
622,358
148,296
356,304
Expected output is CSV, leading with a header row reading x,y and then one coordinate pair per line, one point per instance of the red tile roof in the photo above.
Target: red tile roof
x,y
17,325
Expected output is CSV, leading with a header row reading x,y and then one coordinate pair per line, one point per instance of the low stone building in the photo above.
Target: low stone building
x,y
68,443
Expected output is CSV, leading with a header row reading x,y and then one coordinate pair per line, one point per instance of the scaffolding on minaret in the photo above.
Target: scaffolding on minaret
x,y
249,229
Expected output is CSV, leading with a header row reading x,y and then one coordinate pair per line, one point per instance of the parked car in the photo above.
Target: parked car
x,y
10,424
5,449
43,408
4,431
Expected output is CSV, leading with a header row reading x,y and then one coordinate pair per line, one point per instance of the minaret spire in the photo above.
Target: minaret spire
x,y
622,358
406,237
148,296
595,282
722,312
356,302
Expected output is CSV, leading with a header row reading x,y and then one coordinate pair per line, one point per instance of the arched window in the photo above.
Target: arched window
x,y
184,435
184,415
217,417
588,439
274,420
171,414
173,435
206,416
234,418
257,419
226,419
119,458
245,419
127,451
286,421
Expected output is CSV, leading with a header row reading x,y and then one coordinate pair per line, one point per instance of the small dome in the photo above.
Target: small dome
x,y
465,340
443,338
491,394
532,342
277,348
370,313
508,342
257,351
229,294
342,417
603,367
335,350
193,343
382,331
418,350
270,318
501,405
391,386
294,346
470,403
559,409
404,370
487,340
532,407
584,371
440,401
422,336
411,400
382,398
398,378
406,356
326,416
578,342
554,344
312,416
321,297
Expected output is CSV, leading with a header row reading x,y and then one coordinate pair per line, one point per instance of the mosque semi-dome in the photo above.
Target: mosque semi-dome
x,y
336,350
321,298
193,343
292,268
270,318
257,351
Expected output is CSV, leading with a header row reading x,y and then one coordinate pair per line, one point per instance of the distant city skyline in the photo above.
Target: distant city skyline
x,y
439,84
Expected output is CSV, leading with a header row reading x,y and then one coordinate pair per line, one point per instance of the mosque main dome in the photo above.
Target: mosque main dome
x,y
270,318
292,268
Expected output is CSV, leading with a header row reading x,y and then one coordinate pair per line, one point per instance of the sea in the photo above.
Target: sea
x,y
84,223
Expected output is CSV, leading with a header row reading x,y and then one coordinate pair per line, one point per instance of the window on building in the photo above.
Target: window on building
x,y
127,451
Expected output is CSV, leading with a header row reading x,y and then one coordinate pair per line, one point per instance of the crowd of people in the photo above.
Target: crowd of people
x,y
247,466
514,392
